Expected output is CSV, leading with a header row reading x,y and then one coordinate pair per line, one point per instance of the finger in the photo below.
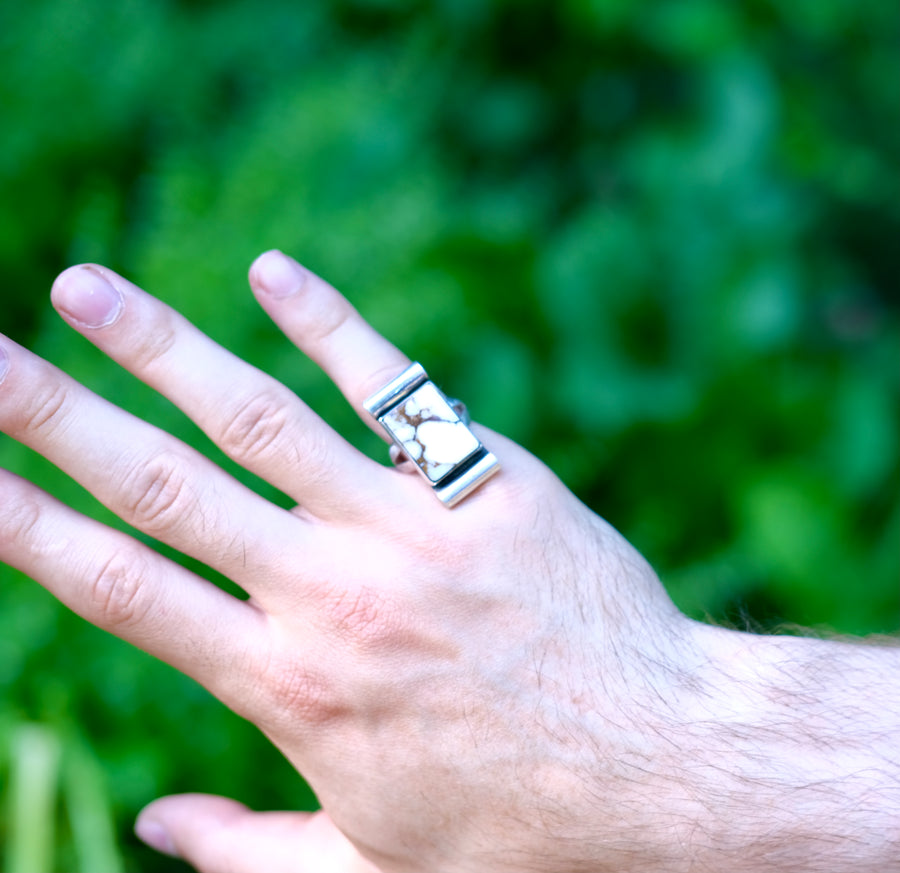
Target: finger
x,y
125,587
255,420
147,477
218,835
323,324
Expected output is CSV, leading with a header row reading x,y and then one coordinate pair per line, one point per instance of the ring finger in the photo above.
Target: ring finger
x,y
147,477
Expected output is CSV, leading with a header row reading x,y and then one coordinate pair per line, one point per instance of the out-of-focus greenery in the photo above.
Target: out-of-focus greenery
x,y
657,243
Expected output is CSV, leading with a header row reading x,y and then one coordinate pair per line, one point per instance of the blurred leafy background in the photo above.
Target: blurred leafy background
x,y
656,243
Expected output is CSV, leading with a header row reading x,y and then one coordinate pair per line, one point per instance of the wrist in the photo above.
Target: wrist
x,y
790,753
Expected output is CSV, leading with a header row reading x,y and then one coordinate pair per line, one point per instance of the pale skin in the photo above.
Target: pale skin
x,y
504,686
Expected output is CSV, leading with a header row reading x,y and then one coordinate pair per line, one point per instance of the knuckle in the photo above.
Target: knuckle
x,y
258,427
44,409
20,517
323,312
297,693
330,320
115,592
154,344
155,495
363,618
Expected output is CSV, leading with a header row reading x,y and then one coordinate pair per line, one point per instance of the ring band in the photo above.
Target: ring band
x,y
432,432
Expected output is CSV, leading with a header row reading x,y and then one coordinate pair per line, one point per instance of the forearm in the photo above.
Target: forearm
x,y
795,755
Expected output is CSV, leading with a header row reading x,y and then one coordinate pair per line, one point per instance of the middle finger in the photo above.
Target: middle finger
x,y
256,420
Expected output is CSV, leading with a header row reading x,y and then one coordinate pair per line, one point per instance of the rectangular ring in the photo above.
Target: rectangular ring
x,y
422,422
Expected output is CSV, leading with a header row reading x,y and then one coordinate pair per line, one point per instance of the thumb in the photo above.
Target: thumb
x,y
219,835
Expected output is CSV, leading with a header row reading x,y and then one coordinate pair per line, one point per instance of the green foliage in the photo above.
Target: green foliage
x,y
655,243
43,764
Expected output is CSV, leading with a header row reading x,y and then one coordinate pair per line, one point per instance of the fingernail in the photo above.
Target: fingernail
x,y
278,275
155,836
4,363
86,297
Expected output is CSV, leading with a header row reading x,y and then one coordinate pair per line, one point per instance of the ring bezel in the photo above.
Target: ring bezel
x,y
426,426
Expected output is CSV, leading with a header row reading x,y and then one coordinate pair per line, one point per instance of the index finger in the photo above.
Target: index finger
x,y
326,327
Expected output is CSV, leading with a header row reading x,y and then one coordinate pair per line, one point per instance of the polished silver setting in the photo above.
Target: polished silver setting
x,y
432,431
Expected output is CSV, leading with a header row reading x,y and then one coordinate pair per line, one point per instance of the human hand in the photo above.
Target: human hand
x,y
483,688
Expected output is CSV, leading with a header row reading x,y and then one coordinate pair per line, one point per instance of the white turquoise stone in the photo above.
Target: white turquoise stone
x,y
430,432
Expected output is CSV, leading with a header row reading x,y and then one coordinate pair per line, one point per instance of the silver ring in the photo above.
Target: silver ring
x,y
432,431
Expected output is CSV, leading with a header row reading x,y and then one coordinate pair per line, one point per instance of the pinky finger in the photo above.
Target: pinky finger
x,y
123,586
